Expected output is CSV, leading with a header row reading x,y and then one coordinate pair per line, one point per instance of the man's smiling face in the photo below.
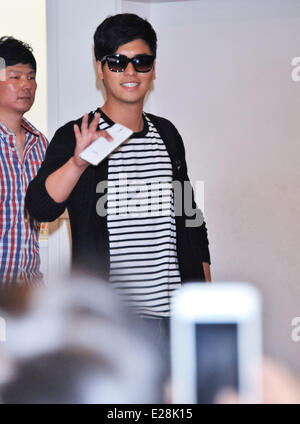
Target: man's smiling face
x,y
128,87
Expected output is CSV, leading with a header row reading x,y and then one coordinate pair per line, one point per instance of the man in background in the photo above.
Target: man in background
x,y
22,150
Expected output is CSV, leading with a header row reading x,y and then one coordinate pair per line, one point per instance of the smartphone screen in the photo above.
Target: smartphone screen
x,y
216,359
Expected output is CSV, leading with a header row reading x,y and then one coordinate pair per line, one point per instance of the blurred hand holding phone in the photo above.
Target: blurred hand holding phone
x,y
216,342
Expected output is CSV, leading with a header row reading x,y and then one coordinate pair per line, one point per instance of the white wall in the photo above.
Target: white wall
x,y
224,78
140,8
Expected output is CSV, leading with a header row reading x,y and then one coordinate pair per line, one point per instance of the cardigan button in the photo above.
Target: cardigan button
x,y
178,164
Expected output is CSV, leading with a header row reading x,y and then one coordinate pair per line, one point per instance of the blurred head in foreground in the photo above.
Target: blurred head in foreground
x,y
75,344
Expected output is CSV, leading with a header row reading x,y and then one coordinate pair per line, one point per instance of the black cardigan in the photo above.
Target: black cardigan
x,y
90,243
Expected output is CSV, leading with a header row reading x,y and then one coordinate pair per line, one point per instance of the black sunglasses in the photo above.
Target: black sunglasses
x,y
118,62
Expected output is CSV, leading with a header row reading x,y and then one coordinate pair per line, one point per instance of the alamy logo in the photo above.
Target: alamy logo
x,y
139,199
295,334
296,69
2,330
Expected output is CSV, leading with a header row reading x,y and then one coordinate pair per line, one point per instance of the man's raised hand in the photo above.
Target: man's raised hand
x,y
85,136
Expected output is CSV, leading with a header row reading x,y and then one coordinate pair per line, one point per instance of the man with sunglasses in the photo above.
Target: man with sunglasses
x,y
140,244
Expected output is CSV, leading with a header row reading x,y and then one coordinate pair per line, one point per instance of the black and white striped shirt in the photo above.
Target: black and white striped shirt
x,y
141,222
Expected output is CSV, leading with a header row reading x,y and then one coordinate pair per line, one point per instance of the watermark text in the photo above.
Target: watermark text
x,y
141,199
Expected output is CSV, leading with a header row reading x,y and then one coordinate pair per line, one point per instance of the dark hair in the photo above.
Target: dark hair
x,y
120,29
15,51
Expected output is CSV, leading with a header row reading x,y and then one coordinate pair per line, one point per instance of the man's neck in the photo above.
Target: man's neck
x,y
12,122
130,116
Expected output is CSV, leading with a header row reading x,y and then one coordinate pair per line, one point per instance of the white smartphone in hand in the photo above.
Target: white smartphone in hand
x,y
101,148
216,343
